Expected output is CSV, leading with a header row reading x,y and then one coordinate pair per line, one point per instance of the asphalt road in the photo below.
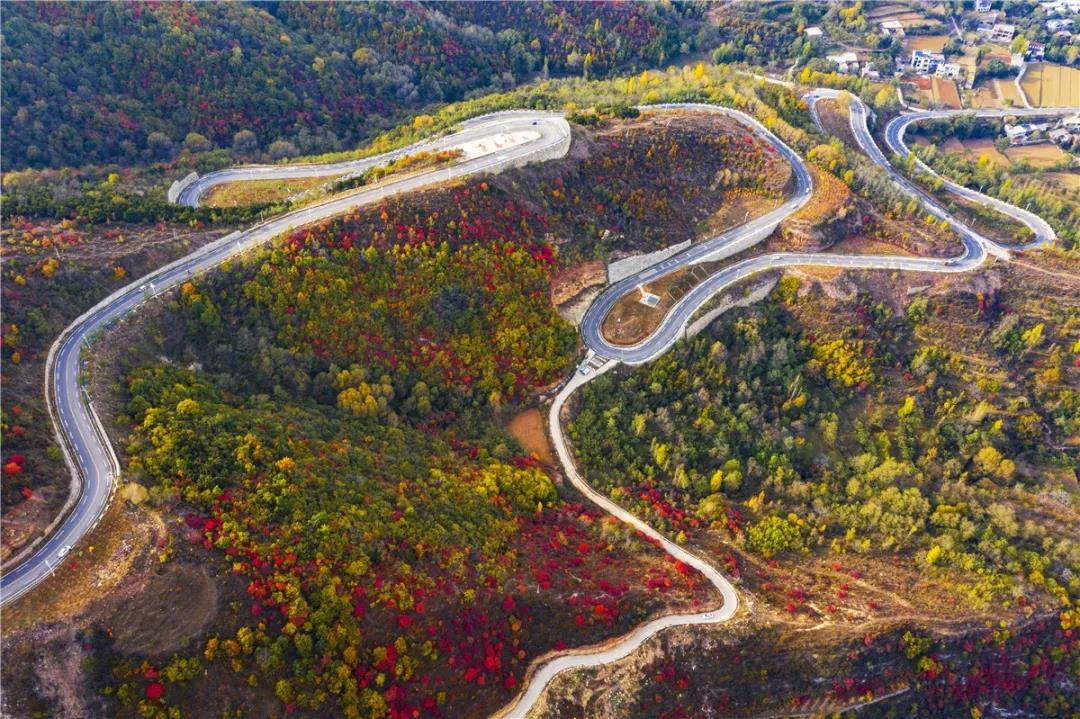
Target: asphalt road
x,y
94,463
975,251
90,456
476,128
894,138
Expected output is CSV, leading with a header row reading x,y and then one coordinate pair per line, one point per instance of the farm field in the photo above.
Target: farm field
x,y
1043,155
1064,180
930,43
1049,85
944,93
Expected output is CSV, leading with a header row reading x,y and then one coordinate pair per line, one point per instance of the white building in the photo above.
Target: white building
x,y
950,70
982,5
1002,32
813,32
1061,7
846,62
1027,134
892,28
1058,25
926,63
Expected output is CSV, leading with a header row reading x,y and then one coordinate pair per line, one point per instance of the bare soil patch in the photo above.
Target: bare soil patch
x,y
631,321
175,606
528,428
569,283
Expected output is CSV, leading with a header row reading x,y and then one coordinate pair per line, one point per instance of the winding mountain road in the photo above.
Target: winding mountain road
x,y
512,138
494,142
976,249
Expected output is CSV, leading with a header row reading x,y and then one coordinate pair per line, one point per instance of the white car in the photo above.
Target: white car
x,y
64,551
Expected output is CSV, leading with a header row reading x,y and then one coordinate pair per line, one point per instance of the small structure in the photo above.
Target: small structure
x,y
1071,123
892,28
1026,134
1060,136
846,62
1059,24
950,70
812,32
982,5
1002,32
1036,52
648,298
924,62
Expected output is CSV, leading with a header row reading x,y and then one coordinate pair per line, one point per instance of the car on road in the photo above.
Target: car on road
x,y
64,551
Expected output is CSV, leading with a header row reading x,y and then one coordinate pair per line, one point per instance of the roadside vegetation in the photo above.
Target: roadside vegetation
x,y
135,83
931,434
319,424
1019,182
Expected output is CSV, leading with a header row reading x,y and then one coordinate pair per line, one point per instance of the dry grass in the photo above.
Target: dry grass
x,y
247,192
944,93
1050,85
1043,155
1007,94
929,43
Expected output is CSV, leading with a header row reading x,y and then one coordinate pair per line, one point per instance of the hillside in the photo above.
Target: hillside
x,y
136,82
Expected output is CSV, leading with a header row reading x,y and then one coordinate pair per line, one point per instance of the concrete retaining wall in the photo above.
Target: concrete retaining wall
x,y
180,185
631,265
756,295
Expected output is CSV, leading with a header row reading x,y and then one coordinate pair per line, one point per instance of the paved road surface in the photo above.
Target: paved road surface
x,y
94,463
88,453
975,251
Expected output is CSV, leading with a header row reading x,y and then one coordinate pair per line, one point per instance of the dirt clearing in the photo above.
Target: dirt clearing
x,y
528,428
175,606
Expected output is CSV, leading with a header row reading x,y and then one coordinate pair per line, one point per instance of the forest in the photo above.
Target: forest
x,y
815,428
326,428
140,82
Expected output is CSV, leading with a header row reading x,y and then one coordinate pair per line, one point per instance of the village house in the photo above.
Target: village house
x,y
982,5
892,28
1059,24
950,70
847,63
1026,134
1060,7
1060,136
813,32
924,62
999,32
